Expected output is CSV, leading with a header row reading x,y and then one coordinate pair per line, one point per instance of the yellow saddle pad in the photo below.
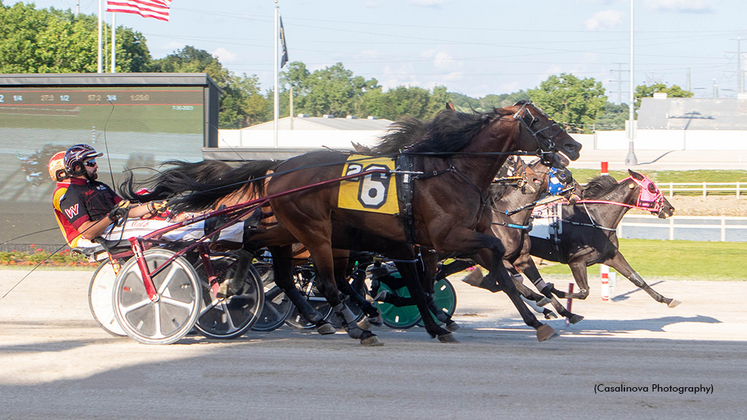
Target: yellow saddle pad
x,y
373,192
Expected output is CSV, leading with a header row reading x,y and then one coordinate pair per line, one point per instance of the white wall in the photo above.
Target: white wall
x,y
335,139
673,140
601,140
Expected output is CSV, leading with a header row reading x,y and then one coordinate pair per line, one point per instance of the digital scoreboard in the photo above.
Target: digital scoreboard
x,y
138,120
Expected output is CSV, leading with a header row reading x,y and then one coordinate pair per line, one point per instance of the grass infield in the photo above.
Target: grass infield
x,y
584,175
678,260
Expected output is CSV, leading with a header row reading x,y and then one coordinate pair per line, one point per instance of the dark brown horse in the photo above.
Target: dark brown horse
x,y
452,167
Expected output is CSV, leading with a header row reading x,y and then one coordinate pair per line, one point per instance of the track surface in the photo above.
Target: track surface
x,y
56,363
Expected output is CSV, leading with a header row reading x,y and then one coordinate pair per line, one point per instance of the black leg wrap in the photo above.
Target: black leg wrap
x,y
304,308
547,290
435,310
347,319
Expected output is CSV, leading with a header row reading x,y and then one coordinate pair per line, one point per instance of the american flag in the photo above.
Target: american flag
x,y
156,9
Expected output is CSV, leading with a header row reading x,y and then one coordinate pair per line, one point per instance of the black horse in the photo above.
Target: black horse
x,y
586,233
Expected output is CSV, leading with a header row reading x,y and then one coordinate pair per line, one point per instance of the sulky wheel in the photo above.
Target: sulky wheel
x,y
100,292
277,306
400,317
173,312
444,296
232,316
304,278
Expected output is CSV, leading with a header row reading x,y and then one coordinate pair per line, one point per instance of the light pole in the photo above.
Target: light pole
x,y
631,159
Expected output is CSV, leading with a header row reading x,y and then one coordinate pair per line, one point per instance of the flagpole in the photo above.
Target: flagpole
x,y
114,43
100,66
276,101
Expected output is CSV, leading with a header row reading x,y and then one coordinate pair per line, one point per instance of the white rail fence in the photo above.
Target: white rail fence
x,y
707,225
738,188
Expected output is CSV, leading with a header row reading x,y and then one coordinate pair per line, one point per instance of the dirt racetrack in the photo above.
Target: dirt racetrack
x,y
55,362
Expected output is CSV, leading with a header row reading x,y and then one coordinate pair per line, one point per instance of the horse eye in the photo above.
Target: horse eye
x,y
652,188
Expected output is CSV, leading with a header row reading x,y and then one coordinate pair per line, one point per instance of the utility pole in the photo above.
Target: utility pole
x,y
631,159
740,78
619,72
715,89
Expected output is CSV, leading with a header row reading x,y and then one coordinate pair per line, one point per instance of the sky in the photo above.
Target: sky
x,y
474,47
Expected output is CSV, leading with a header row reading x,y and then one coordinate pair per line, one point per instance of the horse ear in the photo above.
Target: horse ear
x,y
635,175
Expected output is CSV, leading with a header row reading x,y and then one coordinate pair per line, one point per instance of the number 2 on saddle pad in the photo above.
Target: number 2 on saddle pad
x,y
374,192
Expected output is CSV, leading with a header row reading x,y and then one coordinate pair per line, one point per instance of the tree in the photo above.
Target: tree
x,y
333,90
575,103
400,101
489,102
54,41
613,117
647,91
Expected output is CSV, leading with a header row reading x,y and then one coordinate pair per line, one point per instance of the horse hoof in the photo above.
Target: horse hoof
x,y
575,319
674,303
542,302
372,341
453,327
550,315
447,338
546,332
326,329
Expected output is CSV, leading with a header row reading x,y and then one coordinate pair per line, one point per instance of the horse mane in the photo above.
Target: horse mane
x,y
401,135
599,187
448,132
499,189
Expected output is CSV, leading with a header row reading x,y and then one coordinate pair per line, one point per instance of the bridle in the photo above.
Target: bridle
x,y
527,120
649,198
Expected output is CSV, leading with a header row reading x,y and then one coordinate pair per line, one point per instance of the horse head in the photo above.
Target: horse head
x,y
650,197
537,129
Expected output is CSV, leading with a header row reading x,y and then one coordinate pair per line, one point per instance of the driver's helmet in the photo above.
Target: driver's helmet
x,y
56,166
76,155
555,182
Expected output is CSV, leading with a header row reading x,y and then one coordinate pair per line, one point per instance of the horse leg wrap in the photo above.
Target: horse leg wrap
x,y
348,320
242,267
435,310
303,306
547,290
540,284
532,305
518,278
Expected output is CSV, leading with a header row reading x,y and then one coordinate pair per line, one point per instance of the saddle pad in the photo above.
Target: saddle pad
x,y
546,220
373,192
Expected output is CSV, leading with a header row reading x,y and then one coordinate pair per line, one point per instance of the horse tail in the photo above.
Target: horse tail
x,y
161,186
249,178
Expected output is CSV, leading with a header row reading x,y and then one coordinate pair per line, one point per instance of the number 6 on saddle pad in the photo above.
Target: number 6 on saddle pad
x,y
374,192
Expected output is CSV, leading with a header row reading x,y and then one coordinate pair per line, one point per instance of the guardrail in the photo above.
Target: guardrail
x,y
702,187
707,224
